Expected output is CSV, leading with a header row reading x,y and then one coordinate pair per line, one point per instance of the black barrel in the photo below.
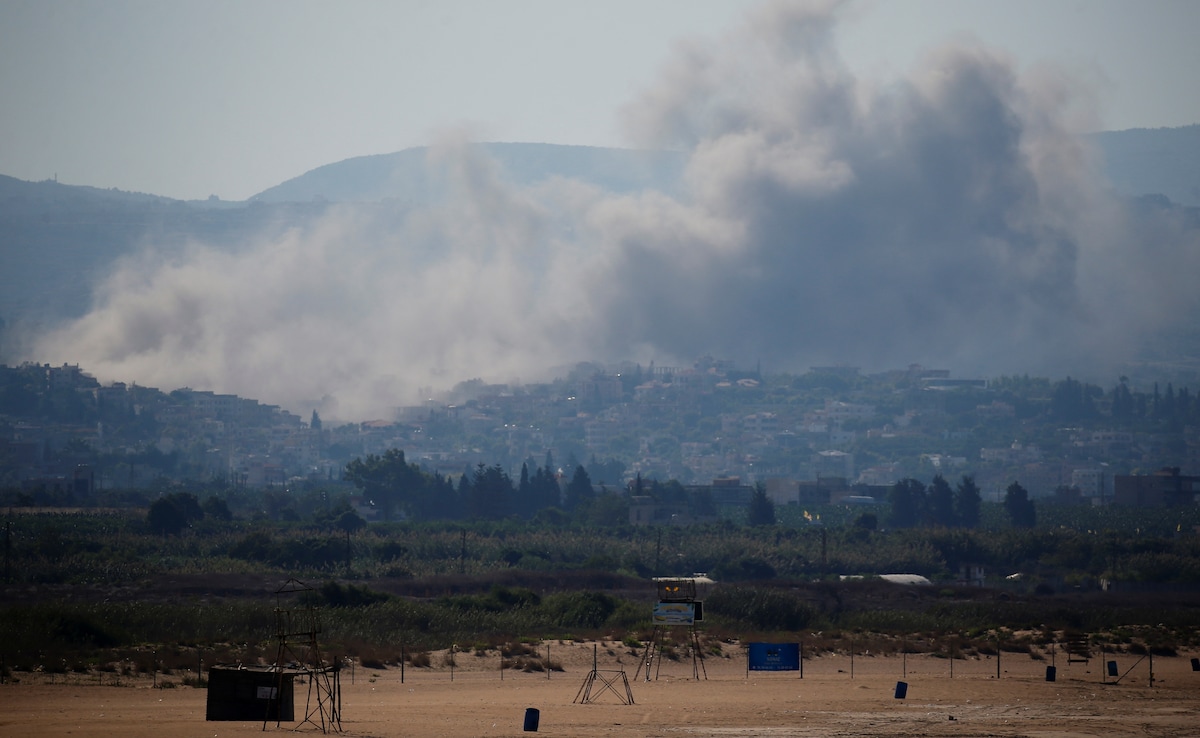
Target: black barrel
x,y
1112,668
1051,673
531,719
1195,664
901,690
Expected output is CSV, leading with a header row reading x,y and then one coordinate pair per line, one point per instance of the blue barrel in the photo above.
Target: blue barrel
x,y
901,690
531,719
1051,673
1112,668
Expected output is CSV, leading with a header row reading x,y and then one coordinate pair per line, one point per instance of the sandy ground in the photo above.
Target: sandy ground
x,y
834,697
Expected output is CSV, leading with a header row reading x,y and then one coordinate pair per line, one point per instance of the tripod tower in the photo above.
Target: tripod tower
x,y
299,654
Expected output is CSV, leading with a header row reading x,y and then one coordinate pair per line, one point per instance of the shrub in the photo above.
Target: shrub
x,y
420,659
337,595
581,609
765,609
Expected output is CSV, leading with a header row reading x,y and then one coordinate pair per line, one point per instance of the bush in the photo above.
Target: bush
x,y
420,659
337,595
765,609
581,609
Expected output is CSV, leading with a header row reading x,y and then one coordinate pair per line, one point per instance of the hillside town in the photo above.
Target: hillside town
x,y
830,435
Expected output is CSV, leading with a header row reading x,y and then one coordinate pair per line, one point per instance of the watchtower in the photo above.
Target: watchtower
x,y
680,603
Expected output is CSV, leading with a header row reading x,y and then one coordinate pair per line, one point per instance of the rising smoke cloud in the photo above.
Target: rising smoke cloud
x,y
950,216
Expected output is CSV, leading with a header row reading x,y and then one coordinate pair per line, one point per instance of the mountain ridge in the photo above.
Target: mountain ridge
x,y
402,174
1138,161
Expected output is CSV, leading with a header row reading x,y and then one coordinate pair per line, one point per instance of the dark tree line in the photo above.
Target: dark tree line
x,y
1075,401
939,506
914,505
393,485
485,493
173,513
397,487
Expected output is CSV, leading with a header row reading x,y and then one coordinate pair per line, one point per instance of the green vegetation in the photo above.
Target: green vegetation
x,y
1070,543
90,588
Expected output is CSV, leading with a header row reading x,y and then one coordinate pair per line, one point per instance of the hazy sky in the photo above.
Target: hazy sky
x,y
190,98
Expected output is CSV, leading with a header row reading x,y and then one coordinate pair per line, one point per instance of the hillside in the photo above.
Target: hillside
x,y
1162,161
403,175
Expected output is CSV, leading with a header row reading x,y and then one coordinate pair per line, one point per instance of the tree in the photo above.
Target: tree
x,y
940,503
762,509
866,521
610,471
702,503
670,492
393,484
171,514
1019,507
967,502
579,492
491,492
464,487
908,503
608,510
446,503
1122,402
544,491
217,509
524,503
349,521
1072,400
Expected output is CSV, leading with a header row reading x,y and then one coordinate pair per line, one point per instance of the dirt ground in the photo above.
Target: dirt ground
x,y
834,696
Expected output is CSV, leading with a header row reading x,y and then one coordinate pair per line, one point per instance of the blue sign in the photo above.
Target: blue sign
x,y
774,657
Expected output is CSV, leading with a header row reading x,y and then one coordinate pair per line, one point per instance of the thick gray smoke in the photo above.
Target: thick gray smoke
x,y
949,216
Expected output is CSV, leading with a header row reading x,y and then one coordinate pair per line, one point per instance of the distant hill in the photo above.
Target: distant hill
x,y
1161,161
57,240
1154,161
403,175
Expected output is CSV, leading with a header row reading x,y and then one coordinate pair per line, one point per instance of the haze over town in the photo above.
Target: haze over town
x,y
945,212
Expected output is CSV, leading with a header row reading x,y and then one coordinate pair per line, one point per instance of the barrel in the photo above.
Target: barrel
x,y
901,690
1051,673
531,719
1195,664
1112,668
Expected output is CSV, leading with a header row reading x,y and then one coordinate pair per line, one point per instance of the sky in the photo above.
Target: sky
x,y
192,98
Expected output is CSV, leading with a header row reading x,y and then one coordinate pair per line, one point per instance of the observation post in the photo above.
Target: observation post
x,y
680,605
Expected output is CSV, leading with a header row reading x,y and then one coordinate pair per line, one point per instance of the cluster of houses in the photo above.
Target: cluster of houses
x,y
686,424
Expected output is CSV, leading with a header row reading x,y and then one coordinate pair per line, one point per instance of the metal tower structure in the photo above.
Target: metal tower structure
x,y
299,654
